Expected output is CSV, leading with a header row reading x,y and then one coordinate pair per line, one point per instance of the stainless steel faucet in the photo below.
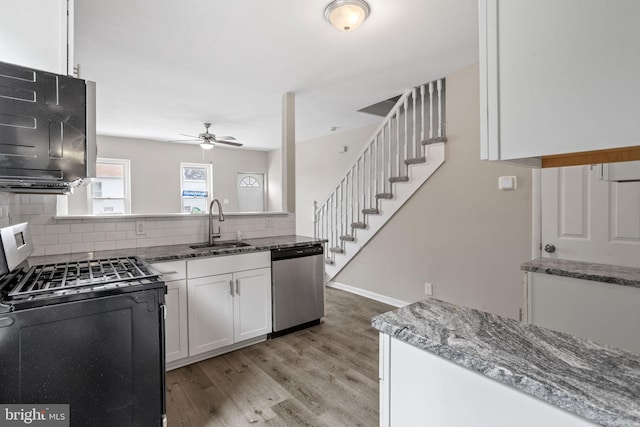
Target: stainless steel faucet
x,y
220,219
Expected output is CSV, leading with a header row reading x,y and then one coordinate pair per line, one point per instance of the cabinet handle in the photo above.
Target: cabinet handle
x,y
168,272
231,287
237,287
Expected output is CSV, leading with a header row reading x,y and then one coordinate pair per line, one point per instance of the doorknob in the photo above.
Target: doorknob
x,y
549,248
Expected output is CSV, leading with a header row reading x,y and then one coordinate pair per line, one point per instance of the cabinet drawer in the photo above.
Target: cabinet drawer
x,y
228,263
171,270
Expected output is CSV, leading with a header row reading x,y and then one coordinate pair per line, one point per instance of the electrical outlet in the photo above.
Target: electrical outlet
x,y
428,288
140,228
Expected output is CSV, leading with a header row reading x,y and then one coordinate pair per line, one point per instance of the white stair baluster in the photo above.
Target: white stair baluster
x,y
398,142
414,94
440,121
375,172
389,161
422,115
406,132
430,110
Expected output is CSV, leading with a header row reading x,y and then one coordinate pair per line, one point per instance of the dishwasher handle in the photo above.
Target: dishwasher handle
x,y
296,252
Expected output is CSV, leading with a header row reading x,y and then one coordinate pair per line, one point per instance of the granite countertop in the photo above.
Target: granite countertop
x,y
619,275
596,382
176,252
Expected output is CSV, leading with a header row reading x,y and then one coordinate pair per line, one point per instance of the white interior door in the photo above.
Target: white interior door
x,y
588,219
251,192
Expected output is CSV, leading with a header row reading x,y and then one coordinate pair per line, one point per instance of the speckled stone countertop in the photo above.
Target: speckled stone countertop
x,y
177,252
596,382
626,276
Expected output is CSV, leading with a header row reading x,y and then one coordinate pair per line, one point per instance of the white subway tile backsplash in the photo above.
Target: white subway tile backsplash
x,y
125,226
57,249
58,236
82,247
56,229
105,246
105,226
93,237
115,235
82,228
70,238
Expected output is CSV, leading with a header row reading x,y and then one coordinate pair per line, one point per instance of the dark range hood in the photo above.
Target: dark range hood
x,y
47,131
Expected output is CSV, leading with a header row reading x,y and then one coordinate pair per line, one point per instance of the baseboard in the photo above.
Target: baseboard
x,y
368,294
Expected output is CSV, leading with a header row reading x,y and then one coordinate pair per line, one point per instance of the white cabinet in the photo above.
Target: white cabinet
x,y
229,302
214,303
33,33
210,313
558,77
418,388
602,312
176,330
252,304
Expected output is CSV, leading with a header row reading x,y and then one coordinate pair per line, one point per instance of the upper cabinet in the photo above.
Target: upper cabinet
x,y
36,34
558,77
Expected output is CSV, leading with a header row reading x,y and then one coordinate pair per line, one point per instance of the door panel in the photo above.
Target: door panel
x,y
588,219
252,303
210,313
176,342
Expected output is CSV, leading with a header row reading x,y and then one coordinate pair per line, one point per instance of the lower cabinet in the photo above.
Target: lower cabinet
x,y
606,313
176,329
212,303
228,308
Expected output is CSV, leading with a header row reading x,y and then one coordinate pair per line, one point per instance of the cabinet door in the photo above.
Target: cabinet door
x,y
252,306
210,313
33,33
176,330
558,76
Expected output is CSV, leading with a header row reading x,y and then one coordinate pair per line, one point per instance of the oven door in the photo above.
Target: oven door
x,y
102,356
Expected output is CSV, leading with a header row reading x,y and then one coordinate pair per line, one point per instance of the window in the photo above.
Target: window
x,y
195,187
249,182
110,191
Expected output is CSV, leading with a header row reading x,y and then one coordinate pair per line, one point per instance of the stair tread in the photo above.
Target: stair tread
x,y
336,250
399,179
415,161
384,196
435,140
347,238
360,225
328,261
371,211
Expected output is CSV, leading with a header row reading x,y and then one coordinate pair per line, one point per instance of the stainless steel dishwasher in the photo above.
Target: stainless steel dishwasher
x,y
297,288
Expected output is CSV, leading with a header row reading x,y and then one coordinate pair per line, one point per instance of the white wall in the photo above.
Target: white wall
x,y
155,171
319,166
274,175
458,231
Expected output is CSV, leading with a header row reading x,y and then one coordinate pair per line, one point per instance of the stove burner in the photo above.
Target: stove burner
x,y
60,277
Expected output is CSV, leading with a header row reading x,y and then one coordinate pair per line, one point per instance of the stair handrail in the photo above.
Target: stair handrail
x,y
365,147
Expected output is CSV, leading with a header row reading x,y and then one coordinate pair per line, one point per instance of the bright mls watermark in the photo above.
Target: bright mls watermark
x,y
34,415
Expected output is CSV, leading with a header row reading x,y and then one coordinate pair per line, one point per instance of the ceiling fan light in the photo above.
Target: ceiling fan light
x,y
206,145
346,15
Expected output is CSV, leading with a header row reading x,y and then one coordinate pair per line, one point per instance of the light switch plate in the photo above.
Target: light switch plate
x,y
507,183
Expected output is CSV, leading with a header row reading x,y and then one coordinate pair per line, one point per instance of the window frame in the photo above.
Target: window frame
x,y
126,163
209,171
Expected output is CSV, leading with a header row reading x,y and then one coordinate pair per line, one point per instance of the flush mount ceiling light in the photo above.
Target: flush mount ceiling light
x,y
346,15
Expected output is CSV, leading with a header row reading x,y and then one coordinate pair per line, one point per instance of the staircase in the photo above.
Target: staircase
x,y
404,151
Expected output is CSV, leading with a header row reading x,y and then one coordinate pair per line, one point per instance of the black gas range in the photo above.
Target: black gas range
x,y
85,333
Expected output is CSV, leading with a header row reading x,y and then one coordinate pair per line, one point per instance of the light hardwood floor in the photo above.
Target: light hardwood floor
x,y
326,375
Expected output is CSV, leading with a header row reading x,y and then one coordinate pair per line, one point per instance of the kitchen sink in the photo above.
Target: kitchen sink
x,y
220,245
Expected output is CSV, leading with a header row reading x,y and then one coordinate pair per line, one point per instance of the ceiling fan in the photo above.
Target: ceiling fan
x,y
209,140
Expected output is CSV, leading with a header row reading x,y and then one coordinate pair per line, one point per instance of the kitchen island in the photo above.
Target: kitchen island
x,y
448,365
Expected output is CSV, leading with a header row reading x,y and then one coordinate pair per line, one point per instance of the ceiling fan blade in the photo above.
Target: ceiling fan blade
x,y
235,144
184,140
190,136
227,138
